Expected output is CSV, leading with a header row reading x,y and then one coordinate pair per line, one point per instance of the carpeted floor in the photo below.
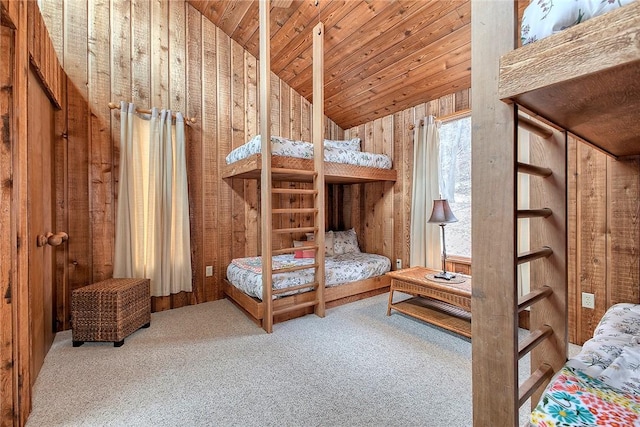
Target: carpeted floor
x,y
210,365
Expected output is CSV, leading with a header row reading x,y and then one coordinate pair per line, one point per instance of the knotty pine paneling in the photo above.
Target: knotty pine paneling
x,y
8,383
604,201
166,55
116,50
381,212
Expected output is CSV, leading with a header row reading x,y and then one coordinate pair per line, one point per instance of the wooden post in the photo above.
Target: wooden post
x,y
494,296
318,157
265,189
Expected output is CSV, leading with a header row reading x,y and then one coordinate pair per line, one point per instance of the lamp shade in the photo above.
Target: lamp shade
x,y
441,213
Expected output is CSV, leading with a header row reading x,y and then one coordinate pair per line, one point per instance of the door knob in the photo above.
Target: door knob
x,y
52,239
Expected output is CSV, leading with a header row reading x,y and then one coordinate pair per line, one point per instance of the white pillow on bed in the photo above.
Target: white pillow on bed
x,y
345,242
328,242
352,144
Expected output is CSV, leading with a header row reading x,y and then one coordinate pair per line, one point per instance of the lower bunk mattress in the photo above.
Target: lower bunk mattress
x,y
600,385
246,273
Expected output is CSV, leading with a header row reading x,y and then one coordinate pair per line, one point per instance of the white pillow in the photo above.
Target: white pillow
x,y
352,144
345,242
328,242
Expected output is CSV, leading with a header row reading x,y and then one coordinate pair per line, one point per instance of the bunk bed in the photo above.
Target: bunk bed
x,y
340,165
584,80
348,276
311,295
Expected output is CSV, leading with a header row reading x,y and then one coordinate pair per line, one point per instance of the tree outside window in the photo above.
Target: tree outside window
x,y
455,182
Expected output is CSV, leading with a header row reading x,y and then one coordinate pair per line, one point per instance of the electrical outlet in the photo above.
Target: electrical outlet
x,y
588,300
209,271
398,264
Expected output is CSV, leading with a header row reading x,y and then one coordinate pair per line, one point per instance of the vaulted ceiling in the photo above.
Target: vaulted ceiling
x,y
381,56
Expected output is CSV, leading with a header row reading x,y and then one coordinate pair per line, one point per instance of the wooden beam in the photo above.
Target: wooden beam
x,y
318,157
494,225
265,176
8,374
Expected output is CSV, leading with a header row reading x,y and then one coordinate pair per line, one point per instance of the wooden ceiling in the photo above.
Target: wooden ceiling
x,y
381,56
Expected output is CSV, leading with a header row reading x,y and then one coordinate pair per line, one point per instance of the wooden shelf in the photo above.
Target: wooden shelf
x,y
437,313
585,79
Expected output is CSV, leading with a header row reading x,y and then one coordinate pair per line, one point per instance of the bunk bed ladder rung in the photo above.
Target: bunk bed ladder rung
x,y
532,297
297,191
533,169
294,268
295,288
294,210
295,307
543,252
534,213
294,249
534,127
542,374
534,338
294,230
302,172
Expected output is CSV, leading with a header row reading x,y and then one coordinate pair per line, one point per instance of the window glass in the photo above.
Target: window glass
x,y
455,182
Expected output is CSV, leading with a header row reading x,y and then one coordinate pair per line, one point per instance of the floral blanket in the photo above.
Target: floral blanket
x,y
575,399
601,385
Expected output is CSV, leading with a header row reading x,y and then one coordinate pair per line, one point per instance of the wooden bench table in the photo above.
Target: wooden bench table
x,y
436,301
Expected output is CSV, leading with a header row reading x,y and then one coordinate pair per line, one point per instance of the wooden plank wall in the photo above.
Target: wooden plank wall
x,y
381,212
155,53
162,54
7,251
604,254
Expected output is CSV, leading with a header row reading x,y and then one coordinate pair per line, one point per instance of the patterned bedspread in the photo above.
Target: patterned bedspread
x,y
576,399
246,273
600,385
302,149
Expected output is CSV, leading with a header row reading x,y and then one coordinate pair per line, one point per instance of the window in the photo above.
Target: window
x,y
455,182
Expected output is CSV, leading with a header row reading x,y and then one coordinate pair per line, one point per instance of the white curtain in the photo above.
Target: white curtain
x,y
152,223
425,237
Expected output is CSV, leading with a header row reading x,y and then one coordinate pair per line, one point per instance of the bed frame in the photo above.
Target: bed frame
x,y
585,80
267,169
284,169
289,307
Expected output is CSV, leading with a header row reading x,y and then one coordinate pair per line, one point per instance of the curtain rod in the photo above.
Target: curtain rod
x,y
187,120
445,118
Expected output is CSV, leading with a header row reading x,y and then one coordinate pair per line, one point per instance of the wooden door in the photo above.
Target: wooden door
x,y
40,195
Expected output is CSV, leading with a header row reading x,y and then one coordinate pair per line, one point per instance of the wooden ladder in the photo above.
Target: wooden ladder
x,y
317,245
547,299
267,190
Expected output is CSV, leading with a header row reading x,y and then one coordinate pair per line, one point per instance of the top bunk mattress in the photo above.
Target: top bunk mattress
x,y
584,79
546,17
333,152
246,273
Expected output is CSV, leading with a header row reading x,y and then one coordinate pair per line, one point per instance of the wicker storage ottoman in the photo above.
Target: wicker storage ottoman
x,y
110,310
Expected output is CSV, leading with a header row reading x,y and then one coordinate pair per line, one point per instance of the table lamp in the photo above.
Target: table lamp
x,y
442,215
